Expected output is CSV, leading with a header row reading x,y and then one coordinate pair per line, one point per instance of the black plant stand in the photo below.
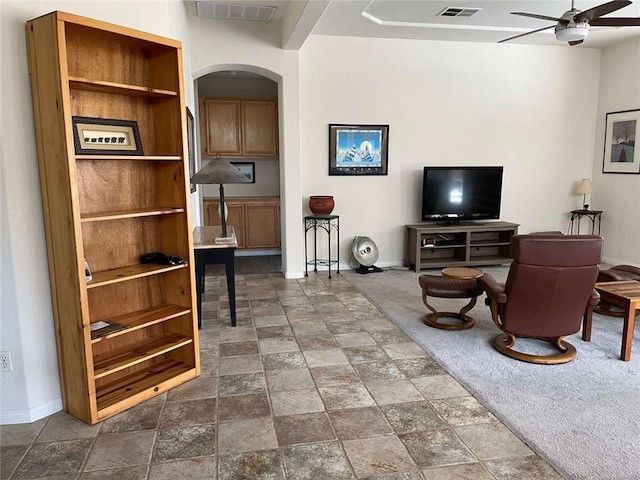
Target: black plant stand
x,y
328,223
576,216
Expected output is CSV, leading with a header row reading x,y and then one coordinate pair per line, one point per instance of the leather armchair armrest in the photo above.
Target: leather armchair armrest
x,y
595,298
493,289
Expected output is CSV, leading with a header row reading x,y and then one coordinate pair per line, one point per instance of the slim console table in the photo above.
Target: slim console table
x,y
576,217
208,252
328,223
435,246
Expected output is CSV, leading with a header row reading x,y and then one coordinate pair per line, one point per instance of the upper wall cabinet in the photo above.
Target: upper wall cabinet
x,y
126,329
243,128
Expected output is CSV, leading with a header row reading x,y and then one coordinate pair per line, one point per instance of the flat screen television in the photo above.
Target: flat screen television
x,y
454,194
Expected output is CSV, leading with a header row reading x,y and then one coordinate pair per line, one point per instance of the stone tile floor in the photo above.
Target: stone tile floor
x,y
313,383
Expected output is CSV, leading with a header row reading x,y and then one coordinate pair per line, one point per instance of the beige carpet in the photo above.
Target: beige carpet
x,y
582,417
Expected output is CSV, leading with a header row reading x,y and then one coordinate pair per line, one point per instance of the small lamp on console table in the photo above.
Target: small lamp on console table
x,y
585,187
220,171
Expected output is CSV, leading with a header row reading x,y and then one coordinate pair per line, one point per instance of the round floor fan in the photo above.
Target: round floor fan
x,y
364,253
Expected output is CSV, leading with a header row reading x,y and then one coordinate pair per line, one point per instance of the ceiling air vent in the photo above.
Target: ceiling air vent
x,y
235,11
458,12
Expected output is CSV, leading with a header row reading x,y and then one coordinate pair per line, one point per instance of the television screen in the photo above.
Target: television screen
x,y
451,194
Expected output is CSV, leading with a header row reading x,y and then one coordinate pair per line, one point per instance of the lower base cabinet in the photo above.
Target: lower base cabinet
x,y
256,219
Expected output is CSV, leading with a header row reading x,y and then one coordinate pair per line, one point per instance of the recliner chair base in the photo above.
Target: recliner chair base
x,y
504,343
466,321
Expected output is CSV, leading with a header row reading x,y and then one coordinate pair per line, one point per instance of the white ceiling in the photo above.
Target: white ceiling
x,y
418,19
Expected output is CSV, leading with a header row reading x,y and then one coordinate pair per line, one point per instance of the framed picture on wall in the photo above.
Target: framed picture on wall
x,y
620,152
248,169
358,149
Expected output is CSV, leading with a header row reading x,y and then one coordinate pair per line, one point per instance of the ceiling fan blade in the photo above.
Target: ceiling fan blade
x,y
527,33
600,10
577,42
615,22
535,15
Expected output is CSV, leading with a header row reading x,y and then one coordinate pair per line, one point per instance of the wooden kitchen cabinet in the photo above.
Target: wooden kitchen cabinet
x,y
235,217
256,219
259,128
221,127
262,225
242,128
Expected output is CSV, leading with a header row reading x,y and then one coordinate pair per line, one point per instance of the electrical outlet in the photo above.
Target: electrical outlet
x,y
5,362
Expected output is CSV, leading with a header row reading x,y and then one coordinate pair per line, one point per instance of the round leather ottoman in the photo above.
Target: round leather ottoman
x,y
446,287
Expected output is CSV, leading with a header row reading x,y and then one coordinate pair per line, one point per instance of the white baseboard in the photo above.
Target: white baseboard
x,y
30,415
293,275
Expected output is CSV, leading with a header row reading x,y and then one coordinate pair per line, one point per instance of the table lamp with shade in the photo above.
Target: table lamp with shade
x,y
220,171
585,187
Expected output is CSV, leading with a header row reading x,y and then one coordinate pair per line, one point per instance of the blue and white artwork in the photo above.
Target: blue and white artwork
x,y
358,148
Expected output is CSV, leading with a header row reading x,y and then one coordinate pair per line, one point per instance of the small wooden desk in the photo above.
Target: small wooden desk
x,y
208,252
625,294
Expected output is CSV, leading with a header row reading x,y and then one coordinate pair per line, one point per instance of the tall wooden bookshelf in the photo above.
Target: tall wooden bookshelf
x,y
111,208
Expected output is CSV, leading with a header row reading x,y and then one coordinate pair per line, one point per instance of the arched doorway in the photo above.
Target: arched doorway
x,y
250,205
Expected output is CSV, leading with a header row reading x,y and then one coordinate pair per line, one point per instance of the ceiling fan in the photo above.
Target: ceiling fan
x,y
573,25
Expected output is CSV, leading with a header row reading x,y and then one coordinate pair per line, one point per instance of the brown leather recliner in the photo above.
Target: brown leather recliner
x,y
549,290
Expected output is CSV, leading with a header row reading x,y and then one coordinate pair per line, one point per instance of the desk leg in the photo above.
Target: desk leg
x,y
315,246
231,286
329,248
627,330
338,247
306,260
200,279
587,322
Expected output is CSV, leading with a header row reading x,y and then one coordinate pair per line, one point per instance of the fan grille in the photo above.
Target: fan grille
x,y
458,12
235,11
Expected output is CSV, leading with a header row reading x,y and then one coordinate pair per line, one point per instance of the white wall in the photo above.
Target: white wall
x,y
210,86
618,195
529,108
32,390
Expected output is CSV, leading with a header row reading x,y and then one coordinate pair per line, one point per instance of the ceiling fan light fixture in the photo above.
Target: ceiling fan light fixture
x,y
572,32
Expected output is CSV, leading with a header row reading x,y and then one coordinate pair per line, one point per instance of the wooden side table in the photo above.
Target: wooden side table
x,y
625,294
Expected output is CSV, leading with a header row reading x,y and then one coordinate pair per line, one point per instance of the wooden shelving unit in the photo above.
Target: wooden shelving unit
x,y
435,246
111,209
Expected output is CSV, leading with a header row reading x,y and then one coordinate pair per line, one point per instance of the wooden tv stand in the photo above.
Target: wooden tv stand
x,y
430,245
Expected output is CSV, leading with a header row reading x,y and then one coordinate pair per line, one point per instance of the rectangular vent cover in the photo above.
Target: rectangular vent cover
x,y
458,12
234,11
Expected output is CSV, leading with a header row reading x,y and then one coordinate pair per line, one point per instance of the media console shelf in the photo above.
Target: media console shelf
x,y
435,246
